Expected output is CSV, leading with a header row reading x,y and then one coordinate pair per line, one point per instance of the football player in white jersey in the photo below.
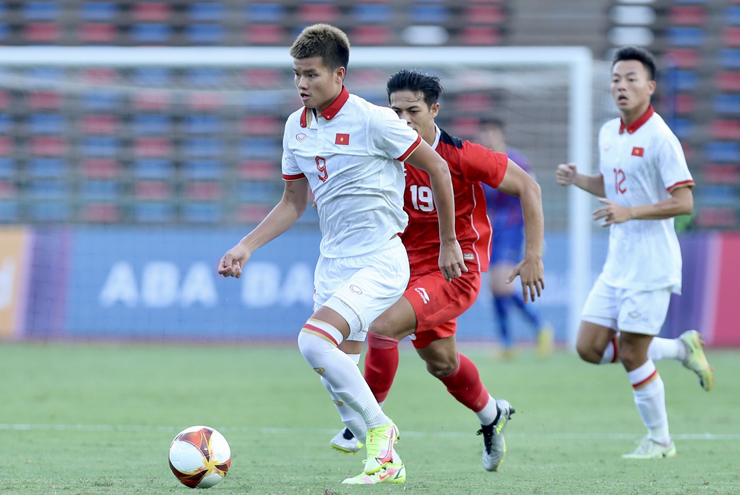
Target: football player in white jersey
x,y
644,183
350,154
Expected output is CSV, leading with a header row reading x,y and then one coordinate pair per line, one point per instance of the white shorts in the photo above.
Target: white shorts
x,y
361,288
633,311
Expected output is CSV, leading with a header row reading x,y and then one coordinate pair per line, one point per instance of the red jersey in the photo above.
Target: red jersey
x,y
470,164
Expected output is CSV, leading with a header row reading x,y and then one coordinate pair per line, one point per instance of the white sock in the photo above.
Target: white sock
x,y
488,414
649,392
351,418
666,349
318,344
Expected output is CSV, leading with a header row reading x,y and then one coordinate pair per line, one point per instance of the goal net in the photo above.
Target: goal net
x,y
125,173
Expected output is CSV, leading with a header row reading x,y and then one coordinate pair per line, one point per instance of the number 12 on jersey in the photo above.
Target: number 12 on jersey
x,y
422,198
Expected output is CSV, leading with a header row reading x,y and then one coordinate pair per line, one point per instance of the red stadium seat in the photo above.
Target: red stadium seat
x,y
100,213
151,11
262,78
152,190
203,191
716,217
205,100
725,129
151,100
4,99
685,58
371,35
267,34
100,75
727,81
484,14
257,125
720,174
44,100
322,12
473,102
6,145
48,146
257,169
99,124
685,104
152,147
100,168
480,35
98,33
688,16
252,213
731,36
7,189
42,32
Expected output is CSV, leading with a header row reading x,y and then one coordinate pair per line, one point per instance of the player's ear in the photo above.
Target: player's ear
x,y
651,86
339,74
434,110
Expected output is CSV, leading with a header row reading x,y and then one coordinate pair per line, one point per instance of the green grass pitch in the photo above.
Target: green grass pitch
x,y
99,418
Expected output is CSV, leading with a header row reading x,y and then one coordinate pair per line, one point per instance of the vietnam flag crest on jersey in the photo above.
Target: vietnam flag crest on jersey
x,y
342,139
638,151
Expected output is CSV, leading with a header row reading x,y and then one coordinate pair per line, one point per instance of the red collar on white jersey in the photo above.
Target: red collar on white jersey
x,y
332,110
637,123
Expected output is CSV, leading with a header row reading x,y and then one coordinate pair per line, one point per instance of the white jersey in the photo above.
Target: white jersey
x,y
352,154
641,164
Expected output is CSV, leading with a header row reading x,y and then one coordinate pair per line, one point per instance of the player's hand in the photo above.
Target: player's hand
x,y
233,261
612,213
451,260
532,274
566,174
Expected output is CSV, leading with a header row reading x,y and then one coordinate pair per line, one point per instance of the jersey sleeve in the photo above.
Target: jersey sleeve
x,y
671,164
389,136
481,164
290,168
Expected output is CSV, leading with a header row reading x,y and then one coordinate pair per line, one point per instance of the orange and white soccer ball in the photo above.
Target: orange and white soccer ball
x,y
200,457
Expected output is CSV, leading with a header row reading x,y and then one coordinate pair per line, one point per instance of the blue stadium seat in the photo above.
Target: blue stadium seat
x,y
732,15
691,1
202,213
206,77
265,12
9,211
258,192
429,14
204,124
98,11
687,80
151,124
204,170
726,104
372,13
152,76
686,36
205,33
100,190
153,169
101,100
40,11
7,168
206,12
6,123
3,9
47,189
260,148
4,31
724,152
684,128
46,74
718,195
100,146
729,58
151,33
154,212
50,212
46,123
204,147
47,168
263,101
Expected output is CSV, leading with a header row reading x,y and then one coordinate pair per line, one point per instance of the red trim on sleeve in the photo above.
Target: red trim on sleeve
x,y
293,177
411,149
637,123
683,183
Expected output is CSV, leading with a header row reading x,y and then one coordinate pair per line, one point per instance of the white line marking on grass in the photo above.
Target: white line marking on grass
x,y
422,434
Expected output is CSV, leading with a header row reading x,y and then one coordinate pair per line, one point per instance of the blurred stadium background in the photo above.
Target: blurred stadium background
x,y
121,187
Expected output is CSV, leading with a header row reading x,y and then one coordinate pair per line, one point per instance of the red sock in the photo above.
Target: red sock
x,y
381,364
464,384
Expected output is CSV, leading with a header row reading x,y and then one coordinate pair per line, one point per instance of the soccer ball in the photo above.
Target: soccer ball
x,y
200,457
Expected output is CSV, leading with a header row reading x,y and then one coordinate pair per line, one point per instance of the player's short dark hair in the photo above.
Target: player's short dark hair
x,y
636,53
493,122
416,82
325,41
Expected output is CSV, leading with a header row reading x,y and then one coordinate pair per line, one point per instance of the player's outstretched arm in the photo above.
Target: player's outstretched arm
x,y
450,255
567,175
281,218
531,271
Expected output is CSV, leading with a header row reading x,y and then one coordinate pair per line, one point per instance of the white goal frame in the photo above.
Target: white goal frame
x,y
577,60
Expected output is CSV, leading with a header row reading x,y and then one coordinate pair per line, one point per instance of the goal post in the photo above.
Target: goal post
x,y
575,62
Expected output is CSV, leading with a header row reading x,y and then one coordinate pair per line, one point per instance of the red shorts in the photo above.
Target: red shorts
x,y
437,304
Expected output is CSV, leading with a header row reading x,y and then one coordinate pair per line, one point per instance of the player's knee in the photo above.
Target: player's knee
x,y
442,366
588,352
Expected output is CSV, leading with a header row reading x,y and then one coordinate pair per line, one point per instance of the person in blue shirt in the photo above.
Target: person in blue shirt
x,y
505,212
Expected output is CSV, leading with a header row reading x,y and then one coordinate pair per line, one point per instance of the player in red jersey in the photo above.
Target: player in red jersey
x,y
428,310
